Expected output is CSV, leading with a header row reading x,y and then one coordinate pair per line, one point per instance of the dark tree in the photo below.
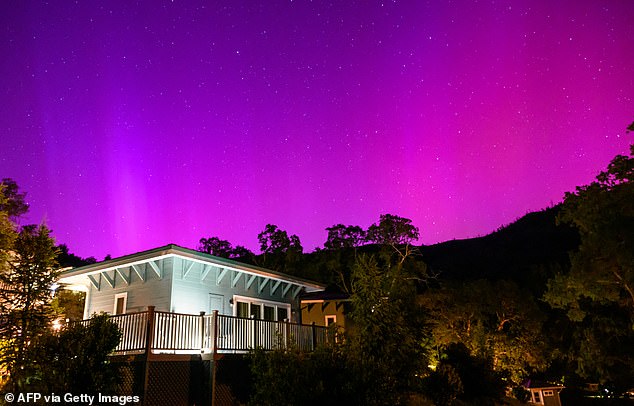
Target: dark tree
x,y
14,204
25,303
216,246
7,235
75,360
279,251
222,248
597,293
341,236
603,267
275,241
480,384
67,259
28,269
241,252
288,377
392,230
386,344
496,321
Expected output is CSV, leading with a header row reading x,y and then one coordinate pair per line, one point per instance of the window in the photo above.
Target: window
x,y
242,309
536,397
269,312
249,307
548,393
331,319
255,310
282,313
120,303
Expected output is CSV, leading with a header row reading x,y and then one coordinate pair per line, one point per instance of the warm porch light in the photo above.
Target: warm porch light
x,y
56,325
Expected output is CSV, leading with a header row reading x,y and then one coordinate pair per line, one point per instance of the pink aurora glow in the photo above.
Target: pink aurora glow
x,y
133,126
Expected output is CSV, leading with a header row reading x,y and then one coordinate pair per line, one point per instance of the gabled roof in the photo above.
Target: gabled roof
x,y
537,384
172,250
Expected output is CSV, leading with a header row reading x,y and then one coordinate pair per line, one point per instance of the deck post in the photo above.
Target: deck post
x,y
202,332
288,332
214,349
313,335
149,338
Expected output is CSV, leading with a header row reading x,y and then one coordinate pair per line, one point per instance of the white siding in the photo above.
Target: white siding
x,y
153,291
191,293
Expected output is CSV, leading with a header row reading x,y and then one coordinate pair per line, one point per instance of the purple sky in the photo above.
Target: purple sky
x,y
133,126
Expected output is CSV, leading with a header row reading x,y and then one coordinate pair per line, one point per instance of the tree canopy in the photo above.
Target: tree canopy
x,y
392,230
497,321
602,268
389,328
222,248
597,293
13,203
276,241
341,236
27,273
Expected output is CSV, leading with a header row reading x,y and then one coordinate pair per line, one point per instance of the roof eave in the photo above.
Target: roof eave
x,y
175,250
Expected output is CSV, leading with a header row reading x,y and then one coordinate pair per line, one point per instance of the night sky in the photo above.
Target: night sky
x,y
131,125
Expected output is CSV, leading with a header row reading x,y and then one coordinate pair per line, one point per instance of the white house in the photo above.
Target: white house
x,y
543,393
180,280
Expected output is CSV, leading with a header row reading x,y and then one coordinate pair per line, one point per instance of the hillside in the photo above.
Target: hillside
x,y
531,242
526,251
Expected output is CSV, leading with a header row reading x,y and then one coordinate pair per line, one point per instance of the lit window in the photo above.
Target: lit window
x,y
548,393
331,319
248,307
536,397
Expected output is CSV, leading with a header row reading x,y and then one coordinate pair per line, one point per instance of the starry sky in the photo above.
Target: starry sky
x,y
132,125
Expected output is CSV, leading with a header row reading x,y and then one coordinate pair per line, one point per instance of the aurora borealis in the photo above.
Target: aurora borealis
x,y
131,125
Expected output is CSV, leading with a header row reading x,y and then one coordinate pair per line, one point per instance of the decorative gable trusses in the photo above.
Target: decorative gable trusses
x,y
115,277
186,264
233,277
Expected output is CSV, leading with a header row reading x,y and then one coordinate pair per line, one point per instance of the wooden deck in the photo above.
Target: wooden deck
x,y
175,333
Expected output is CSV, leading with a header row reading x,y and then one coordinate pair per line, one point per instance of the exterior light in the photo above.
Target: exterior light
x,y
56,325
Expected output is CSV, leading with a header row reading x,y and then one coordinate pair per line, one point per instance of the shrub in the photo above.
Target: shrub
x,y
75,360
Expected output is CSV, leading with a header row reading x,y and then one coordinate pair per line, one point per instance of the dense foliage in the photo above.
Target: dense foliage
x,y
27,273
75,359
497,321
37,358
461,375
222,248
597,292
550,296
389,327
378,362
290,377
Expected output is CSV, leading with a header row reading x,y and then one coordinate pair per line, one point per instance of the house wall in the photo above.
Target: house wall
x,y
551,399
317,312
153,291
198,287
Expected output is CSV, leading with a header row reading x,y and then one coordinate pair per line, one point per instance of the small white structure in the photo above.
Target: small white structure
x,y
544,393
180,280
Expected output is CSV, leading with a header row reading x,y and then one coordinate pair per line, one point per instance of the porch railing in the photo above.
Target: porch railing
x,y
165,332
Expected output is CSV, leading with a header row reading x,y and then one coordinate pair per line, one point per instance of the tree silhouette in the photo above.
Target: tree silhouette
x,y
392,230
341,236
